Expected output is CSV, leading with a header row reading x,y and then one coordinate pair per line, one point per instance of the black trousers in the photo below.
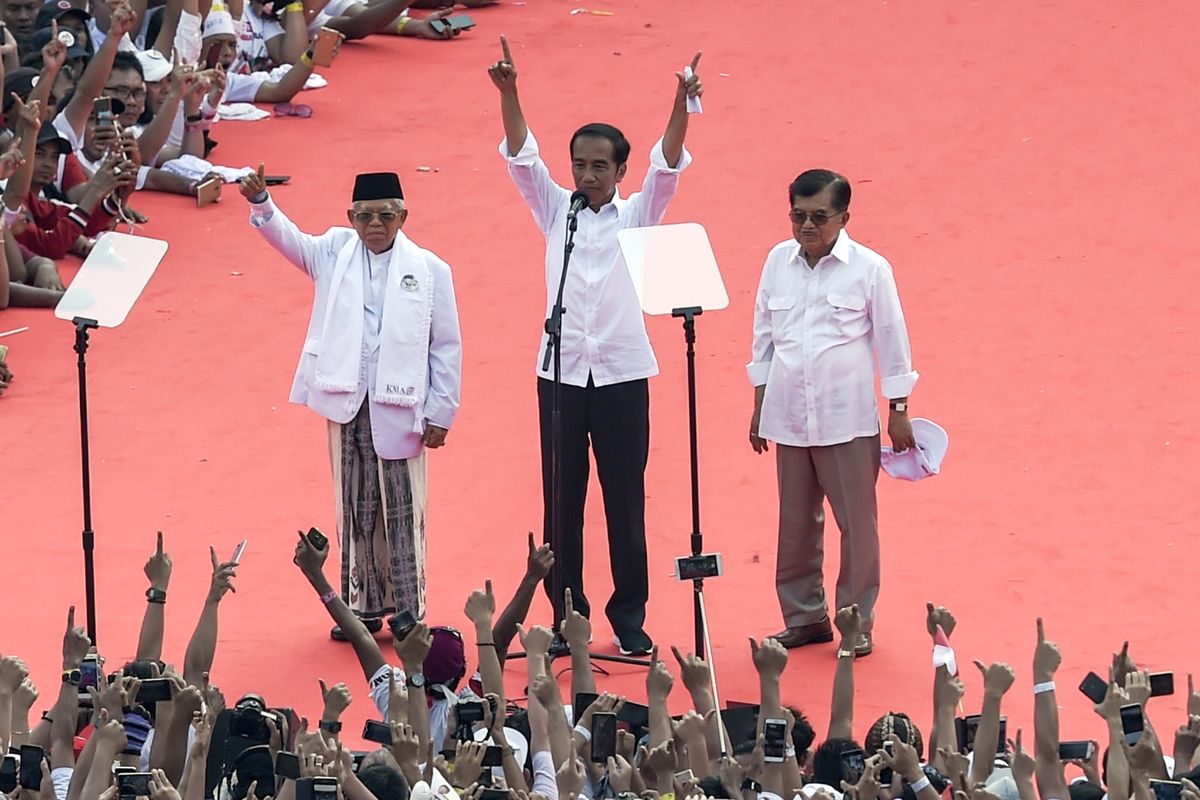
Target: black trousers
x,y
616,421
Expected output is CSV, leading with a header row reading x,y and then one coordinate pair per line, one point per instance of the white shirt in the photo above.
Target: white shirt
x,y
603,332
817,334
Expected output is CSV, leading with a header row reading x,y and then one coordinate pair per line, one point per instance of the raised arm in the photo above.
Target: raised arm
x,y
158,572
659,683
504,75
677,125
1046,660
770,659
290,84
91,83
841,713
997,679
296,246
202,648
537,566
480,609
576,630
29,121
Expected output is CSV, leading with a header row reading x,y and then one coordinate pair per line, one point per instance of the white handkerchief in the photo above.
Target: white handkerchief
x,y
693,103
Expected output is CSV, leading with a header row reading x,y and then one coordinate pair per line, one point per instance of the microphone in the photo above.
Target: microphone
x,y
579,201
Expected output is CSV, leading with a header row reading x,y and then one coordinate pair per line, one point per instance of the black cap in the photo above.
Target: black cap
x,y
21,81
377,186
49,134
56,10
74,51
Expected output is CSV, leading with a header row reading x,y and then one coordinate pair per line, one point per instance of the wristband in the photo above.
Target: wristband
x,y
846,654
294,6
333,726
752,785
485,644
1041,688
197,117
584,732
329,596
259,199
789,752
307,58
157,596
400,25
920,785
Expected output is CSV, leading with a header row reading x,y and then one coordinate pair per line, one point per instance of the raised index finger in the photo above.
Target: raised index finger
x,y
507,53
696,61
262,170
1041,629
160,550
70,617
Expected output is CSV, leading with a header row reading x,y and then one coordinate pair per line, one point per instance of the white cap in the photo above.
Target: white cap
x,y
219,22
155,66
921,461
516,740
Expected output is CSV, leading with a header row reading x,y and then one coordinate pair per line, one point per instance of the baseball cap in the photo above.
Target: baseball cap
x,y
56,10
21,82
74,51
50,135
917,463
447,661
155,66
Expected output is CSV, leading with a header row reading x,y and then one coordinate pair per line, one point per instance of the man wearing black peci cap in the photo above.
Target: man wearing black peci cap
x,y
382,362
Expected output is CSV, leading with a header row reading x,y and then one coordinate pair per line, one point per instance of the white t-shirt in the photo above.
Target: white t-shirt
x,y
252,40
243,88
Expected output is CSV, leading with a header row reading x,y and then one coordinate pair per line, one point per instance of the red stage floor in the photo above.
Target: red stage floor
x,y
1028,169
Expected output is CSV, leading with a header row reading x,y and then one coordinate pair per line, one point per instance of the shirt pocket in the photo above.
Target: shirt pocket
x,y
781,303
849,304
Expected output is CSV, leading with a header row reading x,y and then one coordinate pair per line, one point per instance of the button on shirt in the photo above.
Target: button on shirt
x,y
818,332
603,332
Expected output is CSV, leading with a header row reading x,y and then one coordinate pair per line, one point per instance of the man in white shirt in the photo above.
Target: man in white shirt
x,y
606,354
382,361
826,310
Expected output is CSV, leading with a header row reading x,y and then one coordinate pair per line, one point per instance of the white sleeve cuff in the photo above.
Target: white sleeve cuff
x,y
658,160
528,154
758,372
261,213
898,385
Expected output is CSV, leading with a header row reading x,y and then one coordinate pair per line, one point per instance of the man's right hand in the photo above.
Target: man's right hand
x,y
254,184
757,442
308,558
504,72
158,568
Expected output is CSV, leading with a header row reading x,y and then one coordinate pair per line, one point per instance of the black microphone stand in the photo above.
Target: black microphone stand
x,y
82,324
553,356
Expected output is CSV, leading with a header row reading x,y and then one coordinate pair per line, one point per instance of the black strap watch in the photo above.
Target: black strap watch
x,y
72,676
334,727
752,785
157,596
416,681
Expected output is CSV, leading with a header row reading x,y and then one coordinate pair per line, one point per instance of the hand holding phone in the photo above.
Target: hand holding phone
x,y
32,757
239,551
318,540
1132,723
326,48
774,740
604,736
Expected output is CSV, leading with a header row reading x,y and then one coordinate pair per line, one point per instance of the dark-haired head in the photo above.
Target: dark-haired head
x,y
828,767
385,782
803,734
598,155
811,183
894,723
602,130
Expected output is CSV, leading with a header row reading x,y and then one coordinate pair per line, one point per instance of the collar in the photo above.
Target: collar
x,y
616,202
840,251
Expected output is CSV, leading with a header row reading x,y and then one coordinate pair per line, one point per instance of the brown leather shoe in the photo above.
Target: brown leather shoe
x,y
863,646
814,633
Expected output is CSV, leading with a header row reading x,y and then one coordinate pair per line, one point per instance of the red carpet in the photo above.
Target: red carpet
x,y
1029,172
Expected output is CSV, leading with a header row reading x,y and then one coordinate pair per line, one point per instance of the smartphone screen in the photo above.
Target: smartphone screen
x,y
853,763
1132,723
8,773
318,540
1166,790
604,736
238,551
377,732
287,765
401,623
1075,751
886,774
493,756
1094,688
965,728
89,673
154,690
1162,684
31,767
135,784
774,740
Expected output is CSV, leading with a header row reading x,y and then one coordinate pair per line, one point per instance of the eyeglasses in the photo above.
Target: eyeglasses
x,y
818,217
293,110
126,93
367,217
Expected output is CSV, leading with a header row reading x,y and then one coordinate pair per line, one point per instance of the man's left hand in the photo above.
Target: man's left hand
x,y
434,436
690,86
900,432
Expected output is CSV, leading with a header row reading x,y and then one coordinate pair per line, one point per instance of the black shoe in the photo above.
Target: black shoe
x,y
633,643
373,626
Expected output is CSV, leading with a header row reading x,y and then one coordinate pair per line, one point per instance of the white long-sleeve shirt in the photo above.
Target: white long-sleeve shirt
x,y
392,426
603,332
817,334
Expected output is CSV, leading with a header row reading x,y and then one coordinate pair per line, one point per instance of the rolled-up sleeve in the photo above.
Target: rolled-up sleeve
x,y
762,348
660,185
545,780
533,181
889,336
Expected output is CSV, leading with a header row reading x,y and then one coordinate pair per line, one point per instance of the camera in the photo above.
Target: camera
x,y
249,723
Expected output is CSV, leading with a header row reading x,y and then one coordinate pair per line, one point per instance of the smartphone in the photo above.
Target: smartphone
x,y
886,774
102,111
317,539
401,623
774,740
377,732
134,784
31,767
1162,684
1132,723
636,716
1094,688
241,548
493,756
693,568
207,193
142,670
89,673
685,777
964,730
121,769
1076,751
604,736
1166,790
3,351
1002,738
155,690
326,47
213,55
853,763
495,794
319,788
8,773
460,22
287,765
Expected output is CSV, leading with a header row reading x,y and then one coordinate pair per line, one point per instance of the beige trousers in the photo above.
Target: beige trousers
x,y
844,473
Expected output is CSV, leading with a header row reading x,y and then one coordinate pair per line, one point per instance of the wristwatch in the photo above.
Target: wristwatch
x,y
752,785
334,727
902,407
416,681
156,596
72,676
